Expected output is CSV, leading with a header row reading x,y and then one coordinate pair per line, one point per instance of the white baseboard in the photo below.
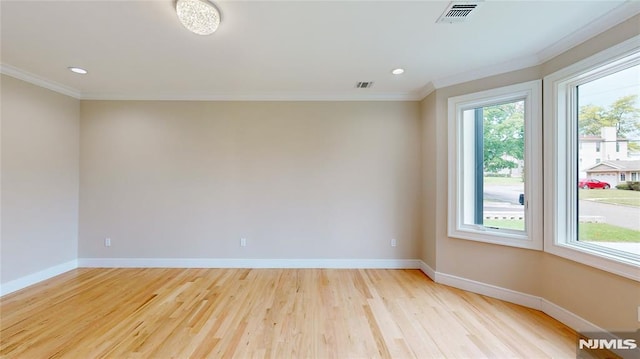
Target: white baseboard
x,y
569,319
580,324
564,316
426,269
508,295
37,277
555,311
247,263
51,272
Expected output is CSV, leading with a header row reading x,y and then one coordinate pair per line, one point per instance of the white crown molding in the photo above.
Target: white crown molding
x,y
274,96
38,81
267,96
426,90
614,17
247,263
497,69
37,277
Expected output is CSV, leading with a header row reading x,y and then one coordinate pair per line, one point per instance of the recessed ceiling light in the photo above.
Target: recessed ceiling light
x,y
78,70
198,16
397,71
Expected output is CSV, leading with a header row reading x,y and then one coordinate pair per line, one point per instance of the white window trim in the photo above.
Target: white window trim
x,y
559,214
532,237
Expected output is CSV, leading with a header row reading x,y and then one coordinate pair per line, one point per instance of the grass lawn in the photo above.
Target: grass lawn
x,y
591,232
614,196
503,180
517,224
602,232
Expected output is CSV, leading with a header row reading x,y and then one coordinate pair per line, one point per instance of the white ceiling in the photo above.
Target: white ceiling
x,y
285,49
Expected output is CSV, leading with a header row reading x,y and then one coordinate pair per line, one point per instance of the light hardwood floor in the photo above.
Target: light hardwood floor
x,y
268,313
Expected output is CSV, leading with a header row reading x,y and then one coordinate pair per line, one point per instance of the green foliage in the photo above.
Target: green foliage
x,y
591,119
629,185
592,232
623,186
635,186
503,130
516,224
621,114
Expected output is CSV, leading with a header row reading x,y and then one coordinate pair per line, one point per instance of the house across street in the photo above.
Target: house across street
x,y
615,172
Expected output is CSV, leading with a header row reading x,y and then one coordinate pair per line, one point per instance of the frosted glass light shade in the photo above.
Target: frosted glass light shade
x,y
199,16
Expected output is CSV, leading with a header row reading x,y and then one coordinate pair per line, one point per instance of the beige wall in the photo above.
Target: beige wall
x,y
297,179
429,180
604,299
507,267
40,134
613,36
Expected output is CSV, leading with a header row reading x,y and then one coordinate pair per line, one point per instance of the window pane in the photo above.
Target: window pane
x,y
494,144
609,146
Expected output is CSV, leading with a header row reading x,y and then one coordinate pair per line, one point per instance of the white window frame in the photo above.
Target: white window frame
x,y
560,195
531,238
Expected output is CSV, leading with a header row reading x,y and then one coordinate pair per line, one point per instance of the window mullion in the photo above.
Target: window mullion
x,y
479,166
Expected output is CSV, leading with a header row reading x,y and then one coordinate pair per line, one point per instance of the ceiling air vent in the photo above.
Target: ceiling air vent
x,y
364,84
457,11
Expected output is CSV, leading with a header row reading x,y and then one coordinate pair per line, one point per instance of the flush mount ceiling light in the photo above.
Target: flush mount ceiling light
x,y
397,71
199,16
77,70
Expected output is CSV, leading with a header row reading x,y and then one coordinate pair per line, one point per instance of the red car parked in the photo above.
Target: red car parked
x,y
589,183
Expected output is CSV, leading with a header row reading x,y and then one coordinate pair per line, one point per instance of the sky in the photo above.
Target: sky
x,y
604,91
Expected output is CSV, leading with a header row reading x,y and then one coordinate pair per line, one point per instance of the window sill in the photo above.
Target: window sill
x,y
595,258
500,237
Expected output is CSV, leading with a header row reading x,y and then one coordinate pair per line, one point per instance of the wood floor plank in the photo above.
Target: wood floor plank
x,y
268,313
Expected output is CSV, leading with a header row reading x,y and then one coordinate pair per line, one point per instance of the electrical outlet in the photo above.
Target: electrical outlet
x,y
107,242
243,242
393,242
